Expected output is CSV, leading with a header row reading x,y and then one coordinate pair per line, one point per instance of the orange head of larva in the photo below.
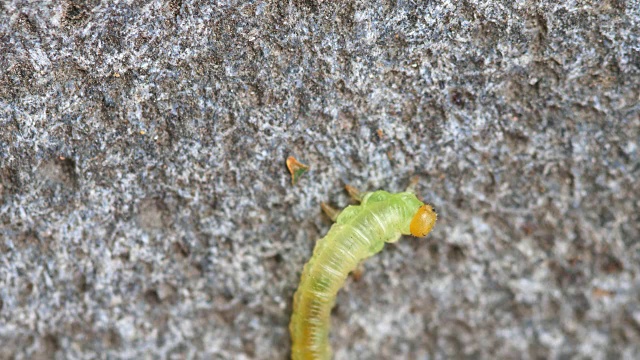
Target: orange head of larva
x,y
423,221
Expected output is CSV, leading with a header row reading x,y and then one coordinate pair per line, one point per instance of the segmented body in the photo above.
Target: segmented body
x,y
359,232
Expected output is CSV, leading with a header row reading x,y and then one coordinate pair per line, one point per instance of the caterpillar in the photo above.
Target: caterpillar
x,y
359,232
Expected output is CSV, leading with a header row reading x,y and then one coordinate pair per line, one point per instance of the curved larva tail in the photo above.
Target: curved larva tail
x,y
312,303
334,257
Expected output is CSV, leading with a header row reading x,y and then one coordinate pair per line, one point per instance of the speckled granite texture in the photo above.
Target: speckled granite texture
x,y
146,211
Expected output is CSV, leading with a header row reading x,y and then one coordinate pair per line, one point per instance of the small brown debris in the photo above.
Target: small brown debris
x,y
296,169
599,293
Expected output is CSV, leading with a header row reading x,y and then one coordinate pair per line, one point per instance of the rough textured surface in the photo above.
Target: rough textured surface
x,y
146,209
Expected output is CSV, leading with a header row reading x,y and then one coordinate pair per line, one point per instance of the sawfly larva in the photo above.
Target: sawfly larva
x,y
359,232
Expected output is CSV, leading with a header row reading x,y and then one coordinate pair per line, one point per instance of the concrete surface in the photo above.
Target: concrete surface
x,y
146,211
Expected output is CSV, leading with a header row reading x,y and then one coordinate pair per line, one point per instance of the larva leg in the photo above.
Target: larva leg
x,y
331,212
411,188
354,193
357,273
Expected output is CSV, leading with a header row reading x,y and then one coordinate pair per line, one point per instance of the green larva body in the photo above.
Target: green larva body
x,y
360,231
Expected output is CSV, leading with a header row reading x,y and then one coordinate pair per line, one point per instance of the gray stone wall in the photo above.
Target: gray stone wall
x,y
146,212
